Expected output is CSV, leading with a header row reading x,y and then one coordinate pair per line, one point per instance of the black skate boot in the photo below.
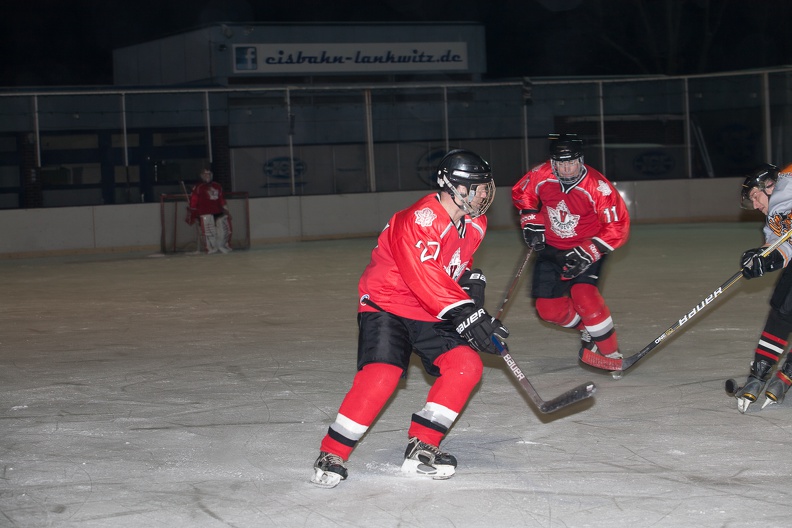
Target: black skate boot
x,y
427,460
329,470
748,393
779,384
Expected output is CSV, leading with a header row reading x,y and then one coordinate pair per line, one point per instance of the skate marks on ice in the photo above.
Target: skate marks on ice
x,y
168,399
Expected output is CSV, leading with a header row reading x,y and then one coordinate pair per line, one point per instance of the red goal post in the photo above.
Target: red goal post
x,y
179,237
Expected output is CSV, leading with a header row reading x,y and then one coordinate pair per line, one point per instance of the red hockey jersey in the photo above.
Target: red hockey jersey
x,y
591,209
207,198
418,260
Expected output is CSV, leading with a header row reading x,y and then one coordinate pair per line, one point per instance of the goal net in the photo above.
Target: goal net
x,y
179,237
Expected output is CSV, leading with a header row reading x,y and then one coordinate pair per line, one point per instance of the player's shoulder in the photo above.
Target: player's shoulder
x,y
543,170
423,212
595,180
536,174
480,223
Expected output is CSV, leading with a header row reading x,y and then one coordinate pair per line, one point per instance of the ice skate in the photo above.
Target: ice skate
x,y
426,460
778,385
329,470
587,343
748,393
590,354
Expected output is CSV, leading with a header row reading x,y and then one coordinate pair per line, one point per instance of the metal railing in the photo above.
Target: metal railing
x,y
113,145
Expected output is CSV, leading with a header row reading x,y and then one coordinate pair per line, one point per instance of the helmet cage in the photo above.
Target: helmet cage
x,y
762,178
569,180
565,148
477,198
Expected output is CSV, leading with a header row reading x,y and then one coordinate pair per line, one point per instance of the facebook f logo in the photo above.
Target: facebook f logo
x,y
245,58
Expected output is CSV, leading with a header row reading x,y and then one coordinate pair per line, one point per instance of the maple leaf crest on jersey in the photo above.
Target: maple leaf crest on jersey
x,y
604,188
455,267
562,222
425,217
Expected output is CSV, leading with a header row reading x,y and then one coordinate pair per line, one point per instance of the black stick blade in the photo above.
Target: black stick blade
x,y
579,393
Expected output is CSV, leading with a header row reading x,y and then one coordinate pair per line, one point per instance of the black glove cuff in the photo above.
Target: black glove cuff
x,y
603,249
775,260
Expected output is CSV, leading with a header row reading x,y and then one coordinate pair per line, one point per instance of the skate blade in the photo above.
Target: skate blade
x,y
743,403
770,399
325,479
417,469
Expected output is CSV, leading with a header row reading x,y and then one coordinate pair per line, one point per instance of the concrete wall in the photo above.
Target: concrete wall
x,y
136,227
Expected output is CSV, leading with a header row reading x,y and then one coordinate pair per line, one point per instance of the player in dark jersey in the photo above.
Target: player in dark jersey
x,y
420,294
769,190
572,217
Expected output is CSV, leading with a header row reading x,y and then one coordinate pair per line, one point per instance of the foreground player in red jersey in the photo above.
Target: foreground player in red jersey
x,y
572,217
420,293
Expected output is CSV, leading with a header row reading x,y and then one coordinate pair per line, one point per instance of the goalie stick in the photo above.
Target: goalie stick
x,y
581,392
198,229
595,360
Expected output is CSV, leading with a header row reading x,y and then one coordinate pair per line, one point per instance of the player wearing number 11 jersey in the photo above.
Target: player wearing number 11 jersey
x,y
572,217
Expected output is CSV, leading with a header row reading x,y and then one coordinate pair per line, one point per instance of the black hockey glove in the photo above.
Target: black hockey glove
x,y
533,229
754,265
478,328
579,258
474,282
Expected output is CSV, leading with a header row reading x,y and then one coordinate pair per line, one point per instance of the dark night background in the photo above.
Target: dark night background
x,y
70,42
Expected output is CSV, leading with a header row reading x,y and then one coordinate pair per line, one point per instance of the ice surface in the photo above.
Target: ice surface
x,y
192,391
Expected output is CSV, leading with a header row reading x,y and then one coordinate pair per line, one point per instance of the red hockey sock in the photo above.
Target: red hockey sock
x,y
460,372
372,387
596,316
559,310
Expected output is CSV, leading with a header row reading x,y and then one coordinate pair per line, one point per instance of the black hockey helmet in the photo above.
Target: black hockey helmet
x,y
565,147
762,177
466,168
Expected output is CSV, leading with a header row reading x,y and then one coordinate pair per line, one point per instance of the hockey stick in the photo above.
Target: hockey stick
x,y
581,392
514,283
198,229
602,362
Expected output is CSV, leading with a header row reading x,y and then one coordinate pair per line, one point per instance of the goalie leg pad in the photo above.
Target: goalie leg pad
x,y
223,235
209,233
